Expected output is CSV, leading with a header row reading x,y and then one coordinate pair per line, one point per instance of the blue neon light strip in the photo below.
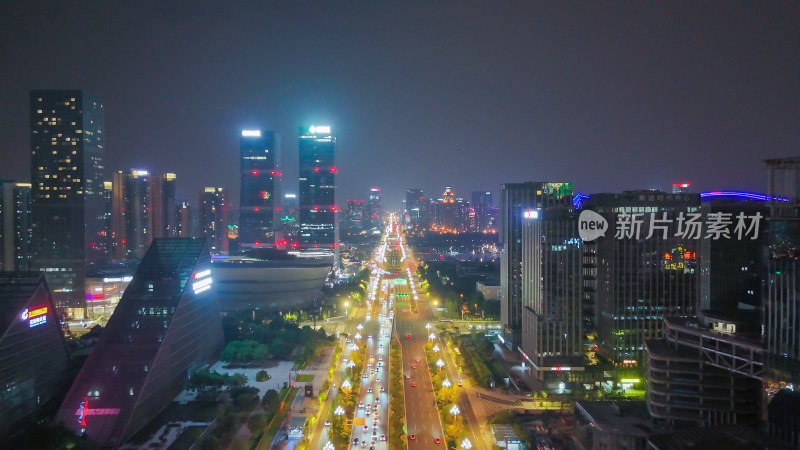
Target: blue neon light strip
x,y
578,199
743,195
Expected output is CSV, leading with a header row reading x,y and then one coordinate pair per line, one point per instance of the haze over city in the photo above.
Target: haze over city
x,y
472,94
329,225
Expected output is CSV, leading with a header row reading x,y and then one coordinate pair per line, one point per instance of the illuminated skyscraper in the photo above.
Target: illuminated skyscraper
x,y
515,199
130,217
415,207
552,323
375,208
15,226
213,214
183,219
481,204
260,188
162,205
641,280
67,152
317,199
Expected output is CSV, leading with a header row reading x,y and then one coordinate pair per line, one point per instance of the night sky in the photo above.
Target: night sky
x,y
421,94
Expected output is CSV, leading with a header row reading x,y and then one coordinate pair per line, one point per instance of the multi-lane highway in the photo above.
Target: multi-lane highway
x,y
388,310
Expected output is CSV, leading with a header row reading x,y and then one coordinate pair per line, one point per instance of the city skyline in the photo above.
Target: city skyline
x,y
601,98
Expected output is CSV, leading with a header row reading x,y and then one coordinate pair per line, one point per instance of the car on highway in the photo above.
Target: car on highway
x,y
408,336
413,365
327,423
437,440
408,376
355,441
459,383
412,437
365,376
366,429
383,389
413,384
383,437
369,390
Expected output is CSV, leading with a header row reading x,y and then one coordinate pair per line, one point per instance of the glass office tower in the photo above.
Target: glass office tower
x,y
317,188
67,153
260,188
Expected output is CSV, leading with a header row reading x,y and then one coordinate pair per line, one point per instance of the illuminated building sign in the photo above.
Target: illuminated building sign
x,y
251,133
319,129
203,282
35,317
530,214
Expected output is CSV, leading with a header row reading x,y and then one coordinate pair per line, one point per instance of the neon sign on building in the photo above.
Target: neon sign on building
x,y
35,317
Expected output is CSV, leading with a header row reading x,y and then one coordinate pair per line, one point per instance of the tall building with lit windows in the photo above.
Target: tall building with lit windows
x,y
162,205
317,198
515,200
640,280
213,215
552,306
67,153
260,188
375,208
415,208
131,214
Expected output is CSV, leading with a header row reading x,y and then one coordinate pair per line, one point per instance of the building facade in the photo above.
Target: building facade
x,y
213,215
67,154
260,198
15,226
317,197
552,258
704,374
33,355
515,200
375,208
131,219
166,323
641,277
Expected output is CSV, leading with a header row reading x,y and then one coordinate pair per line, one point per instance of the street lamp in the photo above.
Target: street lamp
x,y
466,445
440,363
351,364
357,336
328,446
339,410
431,336
428,326
436,348
360,327
346,385
446,382
454,410
346,305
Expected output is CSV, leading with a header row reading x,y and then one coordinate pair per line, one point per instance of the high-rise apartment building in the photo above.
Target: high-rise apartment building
x,y
415,207
183,219
645,274
260,199
375,208
213,215
552,299
162,205
67,153
131,221
515,200
15,226
481,205
317,198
